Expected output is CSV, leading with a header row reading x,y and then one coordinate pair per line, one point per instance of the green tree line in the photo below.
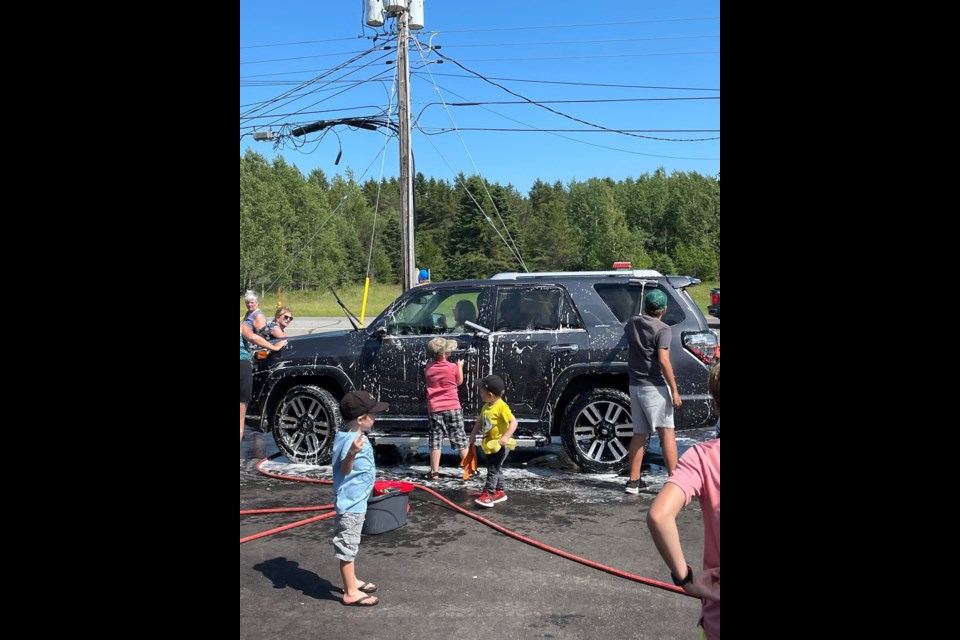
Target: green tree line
x,y
310,232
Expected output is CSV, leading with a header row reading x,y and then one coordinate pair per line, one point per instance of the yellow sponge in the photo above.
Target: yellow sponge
x,y
492,446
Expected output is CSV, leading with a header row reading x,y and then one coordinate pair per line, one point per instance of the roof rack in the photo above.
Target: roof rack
x,y
633,273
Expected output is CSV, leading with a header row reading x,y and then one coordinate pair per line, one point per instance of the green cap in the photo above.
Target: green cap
x,y
656,300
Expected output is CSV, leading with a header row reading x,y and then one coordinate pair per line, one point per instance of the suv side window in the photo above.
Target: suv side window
x,y
624,301
534,309
434,312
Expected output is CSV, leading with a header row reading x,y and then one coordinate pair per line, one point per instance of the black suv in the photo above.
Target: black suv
x,y
556,339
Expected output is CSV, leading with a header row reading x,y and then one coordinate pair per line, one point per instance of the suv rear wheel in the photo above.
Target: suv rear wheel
x,y
305,423
596,430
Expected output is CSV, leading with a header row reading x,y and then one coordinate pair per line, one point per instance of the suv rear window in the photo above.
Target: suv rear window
x,y
623,300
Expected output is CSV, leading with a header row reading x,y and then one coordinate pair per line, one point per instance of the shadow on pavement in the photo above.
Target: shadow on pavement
x,y
287,574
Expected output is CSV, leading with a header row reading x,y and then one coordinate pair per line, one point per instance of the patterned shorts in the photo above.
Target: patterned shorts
x,y
346,540
449,423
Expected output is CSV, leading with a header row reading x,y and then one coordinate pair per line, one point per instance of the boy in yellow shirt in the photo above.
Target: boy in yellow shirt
x,y
497,424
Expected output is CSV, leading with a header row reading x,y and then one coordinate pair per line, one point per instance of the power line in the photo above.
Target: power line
x,y
542,106
582,101
597,56
514,248
319,55
293,93
303,113
583,142
433,131
574,26
567,42
290,44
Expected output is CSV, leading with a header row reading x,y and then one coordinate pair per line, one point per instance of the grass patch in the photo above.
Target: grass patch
x,y
701,295
323,304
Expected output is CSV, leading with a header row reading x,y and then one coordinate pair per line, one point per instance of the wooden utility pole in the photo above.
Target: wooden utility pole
x,y
408,253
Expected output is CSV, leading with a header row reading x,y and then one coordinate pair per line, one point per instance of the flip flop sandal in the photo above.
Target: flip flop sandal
x,y
360,602
368,587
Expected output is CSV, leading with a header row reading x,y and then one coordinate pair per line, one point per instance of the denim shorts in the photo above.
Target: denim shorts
x,y
346,539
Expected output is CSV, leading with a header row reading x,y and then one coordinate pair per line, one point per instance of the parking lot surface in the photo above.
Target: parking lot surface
x,y
444,575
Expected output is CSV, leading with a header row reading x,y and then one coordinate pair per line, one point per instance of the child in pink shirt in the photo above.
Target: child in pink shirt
x,y
697,474
443,405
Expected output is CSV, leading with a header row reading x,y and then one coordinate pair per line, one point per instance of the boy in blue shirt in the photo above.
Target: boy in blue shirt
x,y
354,472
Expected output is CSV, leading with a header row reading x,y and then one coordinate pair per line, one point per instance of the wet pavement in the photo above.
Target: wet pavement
x,y
444,575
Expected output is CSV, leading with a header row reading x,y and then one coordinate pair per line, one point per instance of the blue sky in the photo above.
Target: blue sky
x,y
544,51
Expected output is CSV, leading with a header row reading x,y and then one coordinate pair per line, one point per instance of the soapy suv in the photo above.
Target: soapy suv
x,y
556,339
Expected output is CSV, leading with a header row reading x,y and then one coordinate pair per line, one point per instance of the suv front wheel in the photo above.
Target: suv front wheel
x,y
305,423
596,430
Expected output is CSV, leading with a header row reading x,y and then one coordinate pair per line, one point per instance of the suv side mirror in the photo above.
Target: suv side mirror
x,y
381,332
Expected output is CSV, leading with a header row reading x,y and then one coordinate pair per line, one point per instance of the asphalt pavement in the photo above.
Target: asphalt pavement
x,y
444,575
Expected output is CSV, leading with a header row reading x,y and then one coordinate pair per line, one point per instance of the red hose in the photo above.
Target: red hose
x,y
264,534
253,512
507,532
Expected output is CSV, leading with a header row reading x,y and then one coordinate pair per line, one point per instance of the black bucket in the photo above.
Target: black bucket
x,y
386,512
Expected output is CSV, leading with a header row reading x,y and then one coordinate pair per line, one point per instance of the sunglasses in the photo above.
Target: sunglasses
x,y
288,318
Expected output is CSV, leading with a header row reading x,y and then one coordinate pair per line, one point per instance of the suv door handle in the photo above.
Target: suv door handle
x,y
565,347
471,351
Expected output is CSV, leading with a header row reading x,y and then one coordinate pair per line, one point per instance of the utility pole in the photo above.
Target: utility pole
x,y
408,252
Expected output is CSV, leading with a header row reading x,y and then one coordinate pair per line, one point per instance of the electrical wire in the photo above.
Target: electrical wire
x,y
376,206
584,142
542,106
314,80
323,224
294,98
574,26
512,245
574,42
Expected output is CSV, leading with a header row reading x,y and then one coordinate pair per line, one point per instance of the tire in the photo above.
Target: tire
x,y
597,429
305,424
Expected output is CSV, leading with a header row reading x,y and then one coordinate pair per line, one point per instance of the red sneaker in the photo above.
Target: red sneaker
x,y
498,496
484,500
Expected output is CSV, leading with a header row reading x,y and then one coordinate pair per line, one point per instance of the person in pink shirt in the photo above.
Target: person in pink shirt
x,y
443,405
697,474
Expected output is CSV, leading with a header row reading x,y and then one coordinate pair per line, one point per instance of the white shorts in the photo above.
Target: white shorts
x,y
652,407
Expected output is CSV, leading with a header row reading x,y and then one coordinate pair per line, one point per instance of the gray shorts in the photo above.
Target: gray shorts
x,y
451,423
652,408
346,539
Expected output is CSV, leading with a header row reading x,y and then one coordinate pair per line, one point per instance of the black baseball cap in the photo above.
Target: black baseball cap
x,y
357,403
493,384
